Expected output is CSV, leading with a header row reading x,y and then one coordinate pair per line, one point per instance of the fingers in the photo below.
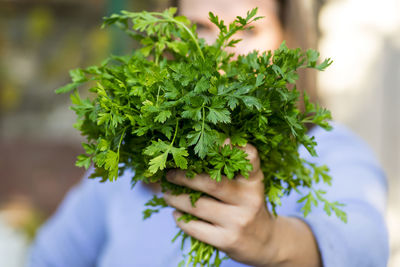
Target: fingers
x,y
252,187
225,190
206,208
253,157
228,191
227,142
203,231
252,154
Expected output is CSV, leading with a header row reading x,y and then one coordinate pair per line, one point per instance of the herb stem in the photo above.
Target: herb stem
x,y
191,36
158,94
183,26
176,130
120,141
204,116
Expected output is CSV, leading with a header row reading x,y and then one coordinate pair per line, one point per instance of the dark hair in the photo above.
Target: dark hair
x,y
175,3
299,20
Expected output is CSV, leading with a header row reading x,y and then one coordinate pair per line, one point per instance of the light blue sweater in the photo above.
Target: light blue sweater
x,y
101,224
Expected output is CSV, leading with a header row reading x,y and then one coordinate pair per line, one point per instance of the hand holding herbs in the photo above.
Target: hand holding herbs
x,y
173,102
235,219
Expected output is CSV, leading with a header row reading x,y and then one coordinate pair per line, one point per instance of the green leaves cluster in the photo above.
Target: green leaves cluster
x,y
173,102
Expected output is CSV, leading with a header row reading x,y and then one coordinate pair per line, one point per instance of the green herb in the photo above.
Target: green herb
x,y
172,103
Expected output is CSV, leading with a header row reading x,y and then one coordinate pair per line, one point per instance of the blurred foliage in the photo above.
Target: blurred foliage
x,y
40,22
40,40
10,96
21,215
32,224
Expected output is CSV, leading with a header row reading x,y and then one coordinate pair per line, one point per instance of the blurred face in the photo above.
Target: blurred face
x,y
266,34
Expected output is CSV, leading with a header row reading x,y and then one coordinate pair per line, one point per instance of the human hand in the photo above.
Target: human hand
x,y
233,217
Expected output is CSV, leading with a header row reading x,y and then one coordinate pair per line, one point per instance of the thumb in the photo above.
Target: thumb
x,y
252,156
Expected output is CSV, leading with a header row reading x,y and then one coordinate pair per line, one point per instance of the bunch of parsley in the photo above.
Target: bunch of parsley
x,y
172,103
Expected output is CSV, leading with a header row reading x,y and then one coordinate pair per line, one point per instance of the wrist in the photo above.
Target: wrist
x,y
292,243
275,251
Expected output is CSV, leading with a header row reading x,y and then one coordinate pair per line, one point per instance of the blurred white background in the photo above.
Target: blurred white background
x,y
362,87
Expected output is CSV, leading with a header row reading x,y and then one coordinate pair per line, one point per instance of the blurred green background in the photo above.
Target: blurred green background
x,y
40,41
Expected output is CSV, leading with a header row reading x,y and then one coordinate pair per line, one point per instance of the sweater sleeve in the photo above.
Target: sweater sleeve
x,y
360,184
74,235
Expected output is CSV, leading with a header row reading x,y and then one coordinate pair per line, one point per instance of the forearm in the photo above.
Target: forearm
x,y
293,245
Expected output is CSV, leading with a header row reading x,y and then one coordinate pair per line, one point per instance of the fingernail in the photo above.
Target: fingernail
x,y
227,141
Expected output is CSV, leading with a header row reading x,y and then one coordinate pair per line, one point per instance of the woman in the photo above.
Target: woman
x,y
101,224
